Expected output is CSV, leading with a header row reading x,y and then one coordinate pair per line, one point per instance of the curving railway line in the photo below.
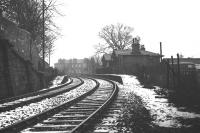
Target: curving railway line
x,y
12,103
36,92
25,107
74,115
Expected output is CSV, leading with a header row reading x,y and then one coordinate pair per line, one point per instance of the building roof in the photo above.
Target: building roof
x,y
192,60
184,63
129,52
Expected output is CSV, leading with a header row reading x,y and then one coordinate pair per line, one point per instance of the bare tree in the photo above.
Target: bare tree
x,y
3,5
27,14
115,37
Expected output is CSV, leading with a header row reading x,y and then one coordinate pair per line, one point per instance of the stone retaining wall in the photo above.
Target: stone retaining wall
x,y
17,75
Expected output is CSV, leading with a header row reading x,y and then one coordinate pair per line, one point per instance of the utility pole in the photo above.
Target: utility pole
x,y
178,65
43,37
160,51
173,73
168,76
49,53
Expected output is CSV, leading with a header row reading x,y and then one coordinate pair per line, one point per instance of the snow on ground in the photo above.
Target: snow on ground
x,y
165,114
57,81
21,113
75,80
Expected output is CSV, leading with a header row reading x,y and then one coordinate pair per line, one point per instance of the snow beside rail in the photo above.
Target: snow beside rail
x,y
21,113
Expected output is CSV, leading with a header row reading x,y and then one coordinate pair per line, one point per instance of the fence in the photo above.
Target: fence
x,y
180,75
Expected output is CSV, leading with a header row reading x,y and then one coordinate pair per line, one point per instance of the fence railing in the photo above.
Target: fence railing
x,y
180,74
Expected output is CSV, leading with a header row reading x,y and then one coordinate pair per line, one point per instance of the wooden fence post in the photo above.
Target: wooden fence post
x,y
173,74
167,63
178,75
160,51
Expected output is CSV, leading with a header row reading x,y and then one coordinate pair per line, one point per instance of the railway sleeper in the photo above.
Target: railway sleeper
x,y
64,122
42,127
69,117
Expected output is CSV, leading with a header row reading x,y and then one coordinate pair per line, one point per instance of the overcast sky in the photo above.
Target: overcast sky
x,y
175,23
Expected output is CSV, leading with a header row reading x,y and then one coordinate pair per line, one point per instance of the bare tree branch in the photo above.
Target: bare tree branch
x,y
115,37
28,15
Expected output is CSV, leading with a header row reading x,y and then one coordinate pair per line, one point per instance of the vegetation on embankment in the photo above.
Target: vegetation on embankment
x,y
135,118
187,94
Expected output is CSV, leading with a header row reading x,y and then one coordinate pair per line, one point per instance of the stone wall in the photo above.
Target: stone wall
x,y
21,41
20,64
19,61
3,85
17,75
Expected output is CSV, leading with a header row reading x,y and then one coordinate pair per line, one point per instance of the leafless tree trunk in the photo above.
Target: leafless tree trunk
x,y
115,37
27,14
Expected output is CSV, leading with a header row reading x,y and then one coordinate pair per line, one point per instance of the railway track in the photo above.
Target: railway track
x,y
80,115
19,101
110,118
72,116
19,116
36,92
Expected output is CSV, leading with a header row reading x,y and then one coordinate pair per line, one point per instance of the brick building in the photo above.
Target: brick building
x,y
129,60
186,63
73,66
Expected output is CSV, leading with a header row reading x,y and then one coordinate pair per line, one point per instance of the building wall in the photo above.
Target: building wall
x,y
71,67
130,63
141,60
76,68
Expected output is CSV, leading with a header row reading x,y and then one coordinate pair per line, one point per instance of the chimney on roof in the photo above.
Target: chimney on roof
x,y
136,46
142,48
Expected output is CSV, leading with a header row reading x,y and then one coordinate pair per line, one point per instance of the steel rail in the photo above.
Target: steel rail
x,y
42,96
36,92
18,126
80,116
89,121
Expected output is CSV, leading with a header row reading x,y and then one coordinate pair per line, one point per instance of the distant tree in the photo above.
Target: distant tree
x,y
93,64
115,37
181,56
97,59
62,68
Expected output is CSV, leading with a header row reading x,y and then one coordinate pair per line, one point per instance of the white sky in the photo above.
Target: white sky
x,y
176,23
